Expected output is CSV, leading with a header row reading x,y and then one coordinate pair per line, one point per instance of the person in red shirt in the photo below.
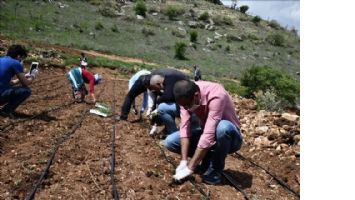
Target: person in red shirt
x,y
78,77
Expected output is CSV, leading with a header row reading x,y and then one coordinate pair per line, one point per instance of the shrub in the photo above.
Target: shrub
x,y
219,20
256,20
147,32
99,26
180,49
108,9
274,24
140,8
193,36
266,78
244,8
114,29
173,11
276,39
228,48
227,21
218,2
234,88
204,16
268,101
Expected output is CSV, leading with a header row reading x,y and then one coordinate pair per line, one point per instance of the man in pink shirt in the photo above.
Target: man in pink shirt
x,y
218,135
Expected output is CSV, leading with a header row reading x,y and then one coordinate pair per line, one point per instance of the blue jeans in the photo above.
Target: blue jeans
x,y
167,113
228,140
13,97
144,102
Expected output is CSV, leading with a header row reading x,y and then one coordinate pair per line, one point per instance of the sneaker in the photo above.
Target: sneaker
x,y
212,178
7,115
202,168
120,117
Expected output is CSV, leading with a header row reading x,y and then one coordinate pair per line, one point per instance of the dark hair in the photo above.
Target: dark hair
x,y
185,89
16,50
146,80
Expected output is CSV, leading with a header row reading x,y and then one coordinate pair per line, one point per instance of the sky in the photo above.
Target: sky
x,y
286,12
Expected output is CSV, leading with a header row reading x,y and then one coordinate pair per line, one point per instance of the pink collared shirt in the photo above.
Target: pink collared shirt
x,y
216,104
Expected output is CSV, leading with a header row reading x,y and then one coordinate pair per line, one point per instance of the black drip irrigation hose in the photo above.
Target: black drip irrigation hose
x,y
115,194
278,180
12,123
235,184
53,152
194,184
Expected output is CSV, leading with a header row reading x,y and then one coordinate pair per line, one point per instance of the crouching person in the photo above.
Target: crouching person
x,y
218,135
12,96
77,78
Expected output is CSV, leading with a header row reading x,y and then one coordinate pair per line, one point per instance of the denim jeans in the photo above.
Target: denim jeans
x,y
167,113
228,140
144,102
13,97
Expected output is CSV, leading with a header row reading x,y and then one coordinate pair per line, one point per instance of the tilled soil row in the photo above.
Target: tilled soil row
x,y
27,145
80,167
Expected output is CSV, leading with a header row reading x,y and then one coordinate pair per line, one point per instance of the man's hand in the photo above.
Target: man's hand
x,y
153,114
34,73
93,98
182,173
183,164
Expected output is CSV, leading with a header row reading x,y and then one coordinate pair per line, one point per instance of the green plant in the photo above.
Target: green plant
x,y
114,29
193,36
180,49
147,32
243,8
108,8
173,11
219,20
234,87
268,101
256,20
218,2
204,16
228,48
276,39
228,21
266,78
274,24
140,8
99,26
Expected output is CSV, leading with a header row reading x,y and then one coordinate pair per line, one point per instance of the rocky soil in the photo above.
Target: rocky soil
x,y
81,166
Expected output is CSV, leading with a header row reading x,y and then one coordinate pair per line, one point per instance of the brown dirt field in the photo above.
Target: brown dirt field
x,y
81,166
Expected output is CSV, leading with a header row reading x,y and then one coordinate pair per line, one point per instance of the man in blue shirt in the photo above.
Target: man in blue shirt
x,y
11,65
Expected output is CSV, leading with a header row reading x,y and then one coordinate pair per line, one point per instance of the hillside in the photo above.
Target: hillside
x,y
228,41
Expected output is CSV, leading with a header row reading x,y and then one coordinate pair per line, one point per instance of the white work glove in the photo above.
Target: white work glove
x,y
34,73
182,173
153,130
183,163
154,113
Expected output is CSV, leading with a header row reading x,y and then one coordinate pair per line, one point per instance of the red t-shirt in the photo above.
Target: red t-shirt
x,y
89,78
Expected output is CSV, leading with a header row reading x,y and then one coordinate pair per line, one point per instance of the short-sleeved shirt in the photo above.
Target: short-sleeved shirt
x,y
9,67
